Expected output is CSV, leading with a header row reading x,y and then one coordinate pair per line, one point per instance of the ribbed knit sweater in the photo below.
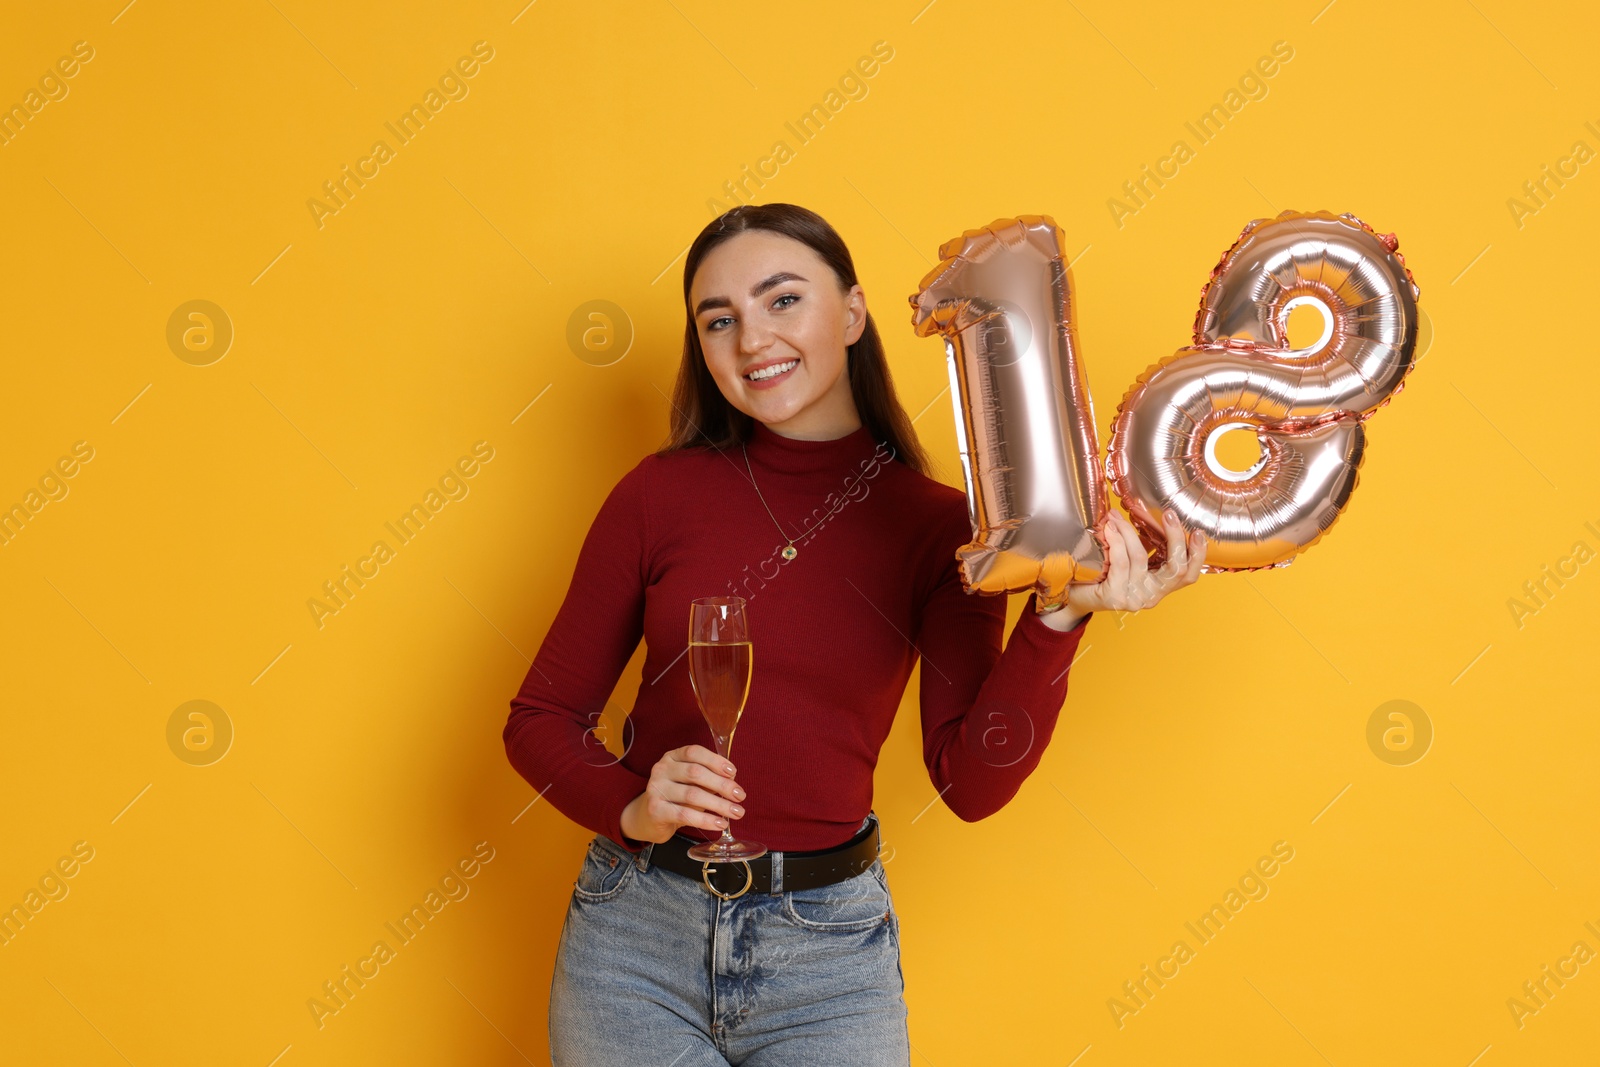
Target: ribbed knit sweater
x,y
835,633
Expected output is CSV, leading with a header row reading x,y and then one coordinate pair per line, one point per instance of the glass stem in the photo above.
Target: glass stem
x,y
724,746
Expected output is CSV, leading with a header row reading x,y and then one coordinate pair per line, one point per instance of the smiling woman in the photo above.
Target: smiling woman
x,y
783,397
783,314
783,389
778,320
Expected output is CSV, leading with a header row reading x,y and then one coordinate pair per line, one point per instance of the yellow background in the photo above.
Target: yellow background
x,y
431,311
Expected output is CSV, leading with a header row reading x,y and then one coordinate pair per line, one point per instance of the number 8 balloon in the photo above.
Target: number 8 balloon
x,y
1307,405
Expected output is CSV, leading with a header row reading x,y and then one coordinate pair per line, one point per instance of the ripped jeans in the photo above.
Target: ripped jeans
x,y
652,968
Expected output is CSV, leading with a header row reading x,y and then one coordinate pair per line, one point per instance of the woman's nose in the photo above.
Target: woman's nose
x,y
753,339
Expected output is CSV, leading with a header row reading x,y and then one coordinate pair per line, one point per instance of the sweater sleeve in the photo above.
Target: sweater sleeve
x,y
595,633
987,715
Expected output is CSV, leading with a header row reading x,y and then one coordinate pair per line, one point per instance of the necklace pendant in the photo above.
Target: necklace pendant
x,y
790,552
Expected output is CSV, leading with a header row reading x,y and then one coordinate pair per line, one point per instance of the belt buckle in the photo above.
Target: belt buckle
x,y
749,879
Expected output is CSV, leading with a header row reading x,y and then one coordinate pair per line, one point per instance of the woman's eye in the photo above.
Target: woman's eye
x,y
712,325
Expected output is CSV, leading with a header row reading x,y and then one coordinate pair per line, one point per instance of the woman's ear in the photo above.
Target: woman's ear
x,y
855,302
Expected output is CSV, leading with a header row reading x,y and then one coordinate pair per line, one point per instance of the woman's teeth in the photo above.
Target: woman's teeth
x,y
770,372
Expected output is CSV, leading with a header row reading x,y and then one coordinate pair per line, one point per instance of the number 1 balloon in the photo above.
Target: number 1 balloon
x,y
1306,406
1002,297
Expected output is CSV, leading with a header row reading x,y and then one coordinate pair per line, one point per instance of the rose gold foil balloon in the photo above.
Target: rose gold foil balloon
x,y
1306,406
1002,299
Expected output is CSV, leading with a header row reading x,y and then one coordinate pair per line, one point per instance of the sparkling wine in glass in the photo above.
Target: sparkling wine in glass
x,y
719,671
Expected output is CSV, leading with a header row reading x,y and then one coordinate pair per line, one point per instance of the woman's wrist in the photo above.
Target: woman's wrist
x,y
1063,619
625,820
1060,616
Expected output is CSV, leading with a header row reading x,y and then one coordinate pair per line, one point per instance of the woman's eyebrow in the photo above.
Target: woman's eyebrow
x,y
756,290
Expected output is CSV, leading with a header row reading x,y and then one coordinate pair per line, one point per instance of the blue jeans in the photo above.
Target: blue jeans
x,y
654,969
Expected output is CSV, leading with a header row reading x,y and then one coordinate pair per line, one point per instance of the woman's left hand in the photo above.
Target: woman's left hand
x,y
1129,584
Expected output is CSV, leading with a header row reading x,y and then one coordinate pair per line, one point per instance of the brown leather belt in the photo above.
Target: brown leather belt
x,y
800,870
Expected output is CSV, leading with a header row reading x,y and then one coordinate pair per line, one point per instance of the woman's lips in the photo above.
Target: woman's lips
x,y
768,383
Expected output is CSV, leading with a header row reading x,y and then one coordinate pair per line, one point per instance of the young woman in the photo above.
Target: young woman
x,y
791,478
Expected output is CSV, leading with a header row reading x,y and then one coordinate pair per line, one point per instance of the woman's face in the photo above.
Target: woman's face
x,y
763,301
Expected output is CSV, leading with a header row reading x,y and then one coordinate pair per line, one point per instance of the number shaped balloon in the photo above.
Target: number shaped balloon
x,y
1002,298
1307,406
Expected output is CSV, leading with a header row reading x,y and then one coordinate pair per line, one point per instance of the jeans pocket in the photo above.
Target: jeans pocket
x,y
604,874
855,904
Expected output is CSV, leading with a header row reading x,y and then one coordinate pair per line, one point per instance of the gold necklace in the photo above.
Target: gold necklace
x,y
789,551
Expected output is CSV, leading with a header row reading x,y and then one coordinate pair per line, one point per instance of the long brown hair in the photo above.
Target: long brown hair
x,y
702,416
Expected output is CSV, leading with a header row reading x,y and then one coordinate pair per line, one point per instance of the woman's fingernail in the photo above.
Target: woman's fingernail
x,y
738,811
727,768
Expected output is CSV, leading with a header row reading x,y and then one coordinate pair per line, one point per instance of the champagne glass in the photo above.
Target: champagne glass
x,y
719,671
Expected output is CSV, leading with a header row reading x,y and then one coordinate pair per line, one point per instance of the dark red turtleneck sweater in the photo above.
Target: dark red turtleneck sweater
x,y
836,632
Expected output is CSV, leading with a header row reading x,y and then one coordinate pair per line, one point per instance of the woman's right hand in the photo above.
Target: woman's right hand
x,y
689,786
